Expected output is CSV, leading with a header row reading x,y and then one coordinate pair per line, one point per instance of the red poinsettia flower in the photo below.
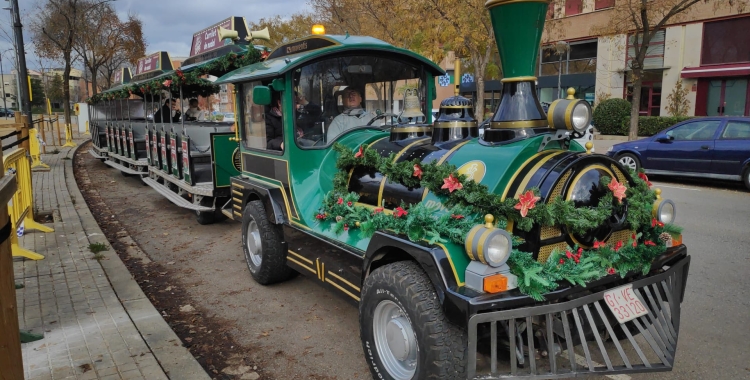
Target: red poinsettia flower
x,y
611,270
618,245
649,243
655,223
167,83
452,183
577,259
598,244
568,254
349,204
377,210
400,212
340,201
562,261
264,55
179,73
526,202
320,216
417,171
346,227
645,178
580,250
360,153
618,189
457,217
635,242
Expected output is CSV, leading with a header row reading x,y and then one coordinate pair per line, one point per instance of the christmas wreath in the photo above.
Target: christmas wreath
x,y
469,201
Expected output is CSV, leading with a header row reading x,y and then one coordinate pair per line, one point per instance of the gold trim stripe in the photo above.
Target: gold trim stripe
x,y
410,129
339,287
238,214
480,244
238,207
343,280
237,199
300,257
519,124
442,159
283,190
300,264
533,171
513,178
238,185
518,79
235,192
450,261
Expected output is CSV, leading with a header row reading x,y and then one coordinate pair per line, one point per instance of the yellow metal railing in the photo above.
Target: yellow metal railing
x,y
35,150
20,207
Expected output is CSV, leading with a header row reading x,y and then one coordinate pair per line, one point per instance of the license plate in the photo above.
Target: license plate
x,y
624,304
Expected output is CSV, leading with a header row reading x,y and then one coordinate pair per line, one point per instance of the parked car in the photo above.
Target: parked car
x,y
6,112
229,116
711,147
589,136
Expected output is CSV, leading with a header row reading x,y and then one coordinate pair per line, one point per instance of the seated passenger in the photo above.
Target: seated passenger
x,y
274,125
164,113
193,112
307,114
353,116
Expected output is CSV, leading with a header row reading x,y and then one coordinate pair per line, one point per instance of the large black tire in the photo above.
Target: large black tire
x,y
746,177
440,345
629,160
262,246
206,217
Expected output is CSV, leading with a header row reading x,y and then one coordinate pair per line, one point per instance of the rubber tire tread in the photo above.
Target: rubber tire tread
x,y
206,217
637,161
746,177
273,266
442,345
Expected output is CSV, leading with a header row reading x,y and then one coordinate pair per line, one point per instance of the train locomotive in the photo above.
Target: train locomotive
x,y
517,254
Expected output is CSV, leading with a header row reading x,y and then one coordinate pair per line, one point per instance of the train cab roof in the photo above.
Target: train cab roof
x,y
293,54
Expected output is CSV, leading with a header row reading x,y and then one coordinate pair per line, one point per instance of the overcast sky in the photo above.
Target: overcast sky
x,y
168,25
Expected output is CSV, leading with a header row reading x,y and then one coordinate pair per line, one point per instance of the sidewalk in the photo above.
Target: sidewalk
x,y
96,321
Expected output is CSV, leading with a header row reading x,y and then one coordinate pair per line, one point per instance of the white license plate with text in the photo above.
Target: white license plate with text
x,y
624,304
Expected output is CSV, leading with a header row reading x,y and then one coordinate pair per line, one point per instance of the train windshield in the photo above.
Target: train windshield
x,y
335,95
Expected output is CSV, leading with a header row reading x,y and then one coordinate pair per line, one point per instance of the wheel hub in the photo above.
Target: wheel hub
x,y
400,338
395,340
252,243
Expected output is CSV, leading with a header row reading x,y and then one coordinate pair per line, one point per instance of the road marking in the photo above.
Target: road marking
x,y
675,187
580,360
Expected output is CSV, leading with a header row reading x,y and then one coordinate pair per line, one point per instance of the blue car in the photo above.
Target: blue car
x,y
710,147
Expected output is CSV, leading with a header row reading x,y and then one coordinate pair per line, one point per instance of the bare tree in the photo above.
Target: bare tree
x,y
131,46
55,31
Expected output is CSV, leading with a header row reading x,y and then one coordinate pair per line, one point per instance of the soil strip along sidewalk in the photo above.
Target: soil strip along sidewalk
x,y
96,321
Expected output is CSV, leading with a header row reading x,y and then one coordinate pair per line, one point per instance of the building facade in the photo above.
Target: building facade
x,y
707,48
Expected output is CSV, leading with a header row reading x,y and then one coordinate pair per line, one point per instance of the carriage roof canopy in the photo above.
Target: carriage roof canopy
x,y
297,52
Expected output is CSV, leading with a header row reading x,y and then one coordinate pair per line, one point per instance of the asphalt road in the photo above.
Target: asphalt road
x,y
297,330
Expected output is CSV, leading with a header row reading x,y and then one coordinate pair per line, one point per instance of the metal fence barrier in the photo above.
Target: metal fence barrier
x,y
20,207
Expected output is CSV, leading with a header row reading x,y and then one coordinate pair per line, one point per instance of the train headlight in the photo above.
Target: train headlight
x,y
571,114
489,245
664,210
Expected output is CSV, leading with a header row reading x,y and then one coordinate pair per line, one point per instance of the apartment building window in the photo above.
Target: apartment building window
x,y
573,7
726,41
654,52
602,4
579,59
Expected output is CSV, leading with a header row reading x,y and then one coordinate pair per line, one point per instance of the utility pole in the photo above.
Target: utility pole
x,y
5,105
24,104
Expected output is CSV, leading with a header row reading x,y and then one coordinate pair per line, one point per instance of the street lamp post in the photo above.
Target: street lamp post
x,y
2,76
560,48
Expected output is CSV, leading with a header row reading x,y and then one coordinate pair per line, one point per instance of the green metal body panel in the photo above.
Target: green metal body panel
x,y
222,149
518,54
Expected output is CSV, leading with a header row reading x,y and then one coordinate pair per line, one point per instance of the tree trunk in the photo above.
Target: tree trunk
x,y
93,81
636,105
66,89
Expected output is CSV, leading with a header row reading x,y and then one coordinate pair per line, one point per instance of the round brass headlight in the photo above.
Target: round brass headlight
x,y
491,246
664,211
571,114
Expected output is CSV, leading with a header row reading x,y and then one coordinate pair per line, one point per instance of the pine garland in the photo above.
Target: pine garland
x,y
469,201
191,82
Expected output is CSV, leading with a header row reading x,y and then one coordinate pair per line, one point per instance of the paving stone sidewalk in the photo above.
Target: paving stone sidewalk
x,y
97,323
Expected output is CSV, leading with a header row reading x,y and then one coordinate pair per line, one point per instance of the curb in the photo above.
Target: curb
x,y
175,359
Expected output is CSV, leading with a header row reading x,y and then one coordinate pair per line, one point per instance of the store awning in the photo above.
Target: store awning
x,y
731,70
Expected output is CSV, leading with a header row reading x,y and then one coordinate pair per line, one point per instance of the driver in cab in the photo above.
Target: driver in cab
x,y
352,116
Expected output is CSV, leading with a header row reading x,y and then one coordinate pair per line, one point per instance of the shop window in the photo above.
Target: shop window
x,y
726,41
580,58
601,4
654,52
573,7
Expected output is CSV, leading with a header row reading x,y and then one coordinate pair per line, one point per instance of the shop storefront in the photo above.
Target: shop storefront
x,y
574,67
724,73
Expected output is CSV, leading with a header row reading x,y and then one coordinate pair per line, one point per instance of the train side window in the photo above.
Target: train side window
x,y
256,120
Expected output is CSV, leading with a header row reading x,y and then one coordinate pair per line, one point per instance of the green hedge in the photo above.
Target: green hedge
x,y
610,116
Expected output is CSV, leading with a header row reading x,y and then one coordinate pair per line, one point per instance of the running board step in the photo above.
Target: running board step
x,y
123,169
227,210
96,155
173,197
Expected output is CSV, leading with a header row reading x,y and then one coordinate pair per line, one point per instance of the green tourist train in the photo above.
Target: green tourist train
x,y
517,254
